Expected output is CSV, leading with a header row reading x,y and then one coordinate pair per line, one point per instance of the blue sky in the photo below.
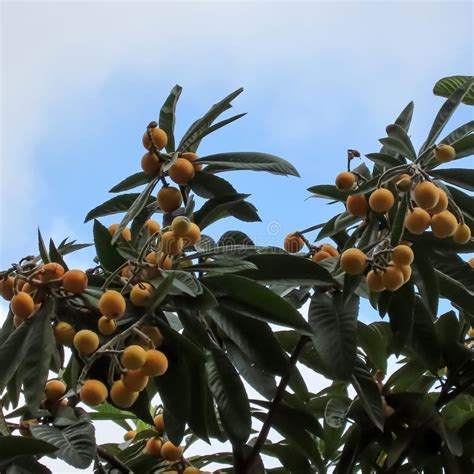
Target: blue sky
x,y
81,81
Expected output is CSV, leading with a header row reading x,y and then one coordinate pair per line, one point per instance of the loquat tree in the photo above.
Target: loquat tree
x,y
168,332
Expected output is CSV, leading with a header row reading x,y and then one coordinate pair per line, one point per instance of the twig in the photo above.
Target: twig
x,y
262,437
111,459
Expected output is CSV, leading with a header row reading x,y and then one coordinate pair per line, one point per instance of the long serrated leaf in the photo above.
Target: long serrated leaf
x,y
115,205
253,161
230,395
167,118
399,133
140,202
132,181
447,85
387,161
446,112
335,331
42,248
55,255
464,178
106,252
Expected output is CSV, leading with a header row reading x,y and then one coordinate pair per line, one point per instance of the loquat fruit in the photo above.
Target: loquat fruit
x,y
345,180
112,304
471,262
193,236
470,333
181,172
192,157
374,281
86,342
444,153
6,287
75,281
319,256
134,357
402,255
159,422
330,250
392,278
142,294
404,184
442,204
126,233
381,200
158,136
181,225
444,224
462,234
93,392
169,198
121,395
106,326
170,452
406,270
135,380
171,244
153,333
156,363
151,164
153,446
152,226
129,435
353,261
356,205
417,221
426,195
54,390
64,333
293,243
192,470
22,305
51,271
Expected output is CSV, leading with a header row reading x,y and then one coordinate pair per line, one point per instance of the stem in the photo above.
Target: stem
x,y
262,437
111,459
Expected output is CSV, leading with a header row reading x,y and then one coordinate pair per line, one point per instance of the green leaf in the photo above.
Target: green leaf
x,y
254,338
329,191
234,237
463,200
20,446
106,411
294,462
41,342
335,327
202,124
396,146
459,133
387,161
369,393
424,340
375,339
106,252
209,186
336,411
75,443
446,111
454,291
447,85
248,161
230,396
115,205
249,298
337,224
400,312
399,133
425,278
461,177
261,381
223,206
7,327
168,116
132,181
398,225
42,248
195,141
287,269
134,210
55,255
184,282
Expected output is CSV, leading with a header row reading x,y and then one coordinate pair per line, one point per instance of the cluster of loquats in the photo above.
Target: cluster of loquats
x,y
159,446
294,242
28,286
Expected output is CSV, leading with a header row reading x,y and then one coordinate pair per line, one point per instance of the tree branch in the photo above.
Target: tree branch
x,y
111,459
262,437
